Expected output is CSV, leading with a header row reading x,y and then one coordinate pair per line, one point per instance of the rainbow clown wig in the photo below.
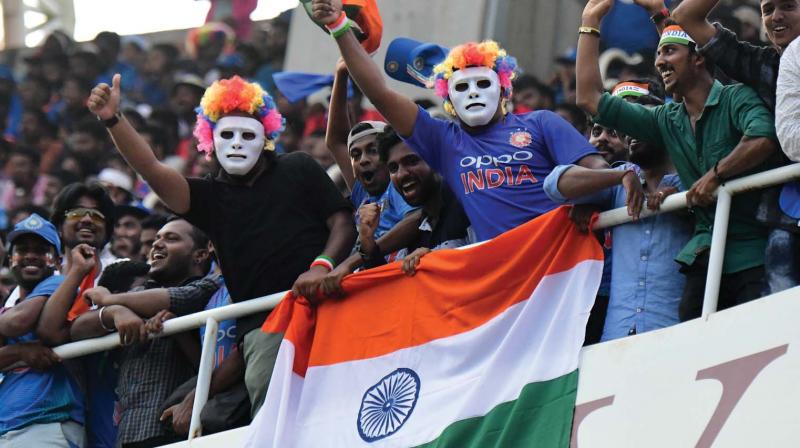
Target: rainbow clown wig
x,y
235,95
472,54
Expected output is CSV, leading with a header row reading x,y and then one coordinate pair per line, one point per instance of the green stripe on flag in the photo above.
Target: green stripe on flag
x,y
540,417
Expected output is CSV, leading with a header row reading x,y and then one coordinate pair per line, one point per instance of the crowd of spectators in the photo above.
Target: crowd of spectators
x,y
118,217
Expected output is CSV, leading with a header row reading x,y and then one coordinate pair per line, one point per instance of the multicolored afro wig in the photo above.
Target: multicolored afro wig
x,y
235,95
473,54
209,33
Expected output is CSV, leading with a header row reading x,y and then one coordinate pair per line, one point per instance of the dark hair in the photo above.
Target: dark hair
x,y
92,127
118,277
169,50
154,221
199,238
577,117
387,140
707,62
69,196
24,151
49,128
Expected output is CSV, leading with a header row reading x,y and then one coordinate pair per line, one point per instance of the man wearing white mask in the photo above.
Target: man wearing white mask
x,y
277,221
494,162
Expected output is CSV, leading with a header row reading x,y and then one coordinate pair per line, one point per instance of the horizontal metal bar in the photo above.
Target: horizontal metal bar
x,y
607,219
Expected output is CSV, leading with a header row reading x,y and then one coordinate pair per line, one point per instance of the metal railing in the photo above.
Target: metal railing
x,y
610,218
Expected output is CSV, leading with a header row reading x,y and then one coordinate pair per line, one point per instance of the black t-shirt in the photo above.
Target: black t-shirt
x,y
451,227
266,234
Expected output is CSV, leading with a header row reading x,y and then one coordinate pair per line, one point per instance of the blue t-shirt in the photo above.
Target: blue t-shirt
x,y
226,332
36,397
394,206
497,173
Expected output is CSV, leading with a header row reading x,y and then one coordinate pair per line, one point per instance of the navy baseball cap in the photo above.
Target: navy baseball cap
x,y
36,225
411,61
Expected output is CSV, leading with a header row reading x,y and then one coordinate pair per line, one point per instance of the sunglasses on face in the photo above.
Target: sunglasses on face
x,y
79,213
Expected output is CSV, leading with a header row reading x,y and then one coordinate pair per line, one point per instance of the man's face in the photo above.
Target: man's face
x,y
84,144
411,176
475,94
84,223
21,170
125,241
781,20
314,145
609,143
172,255
146,239
185,99
677,66
644,154
367,165
32,260
238,142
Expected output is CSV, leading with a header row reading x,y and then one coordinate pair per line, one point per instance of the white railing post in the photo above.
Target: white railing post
x,y
204,376
716,254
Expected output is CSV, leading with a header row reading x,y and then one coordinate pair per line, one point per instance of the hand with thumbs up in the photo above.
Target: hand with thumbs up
x,y
104,100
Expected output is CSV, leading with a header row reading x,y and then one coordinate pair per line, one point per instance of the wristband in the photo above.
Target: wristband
x,y
111,122
324,261
660,16
340,26
589,30
100,315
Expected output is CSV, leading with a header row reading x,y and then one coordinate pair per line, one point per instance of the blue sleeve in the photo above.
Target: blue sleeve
x,y
357,195
565,144
429,138
47,286
673,180
399,204
603,197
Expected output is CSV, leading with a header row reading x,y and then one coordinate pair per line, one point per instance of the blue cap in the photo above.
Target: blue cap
x,y
411,61
568,57
790,199
36,225
134,208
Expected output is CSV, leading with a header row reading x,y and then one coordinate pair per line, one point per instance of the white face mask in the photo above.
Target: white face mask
x,y
238,142
475,94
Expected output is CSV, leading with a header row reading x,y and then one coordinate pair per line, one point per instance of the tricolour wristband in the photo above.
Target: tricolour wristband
x,y
340,26
325,261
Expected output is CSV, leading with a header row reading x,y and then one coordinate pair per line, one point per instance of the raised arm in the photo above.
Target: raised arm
x,y
53,326
168,183
692,16
654,7
400,111
339,125
589,85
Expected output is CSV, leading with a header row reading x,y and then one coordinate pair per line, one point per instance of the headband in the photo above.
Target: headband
x,y
634,89
674,34
376,127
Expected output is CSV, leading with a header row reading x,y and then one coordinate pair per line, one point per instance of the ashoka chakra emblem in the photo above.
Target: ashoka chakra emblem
x,y
387,405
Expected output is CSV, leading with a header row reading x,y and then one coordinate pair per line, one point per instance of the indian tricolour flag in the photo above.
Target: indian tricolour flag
x,y
479,349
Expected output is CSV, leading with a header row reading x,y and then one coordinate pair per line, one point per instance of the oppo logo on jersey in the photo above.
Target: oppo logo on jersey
x,y
489,178
487,160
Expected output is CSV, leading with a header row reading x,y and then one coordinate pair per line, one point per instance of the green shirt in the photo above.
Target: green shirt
x,y
730,112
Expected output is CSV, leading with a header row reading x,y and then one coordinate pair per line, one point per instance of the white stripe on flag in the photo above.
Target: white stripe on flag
x,y
461,376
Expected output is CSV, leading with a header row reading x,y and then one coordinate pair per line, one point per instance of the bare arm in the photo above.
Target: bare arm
x,y
339,126
653,7
579,181
400,111
145,303
589,81
692,16
168,183
53,326
342,235
21,318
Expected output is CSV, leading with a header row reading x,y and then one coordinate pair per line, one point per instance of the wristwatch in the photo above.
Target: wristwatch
x,y
111,122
